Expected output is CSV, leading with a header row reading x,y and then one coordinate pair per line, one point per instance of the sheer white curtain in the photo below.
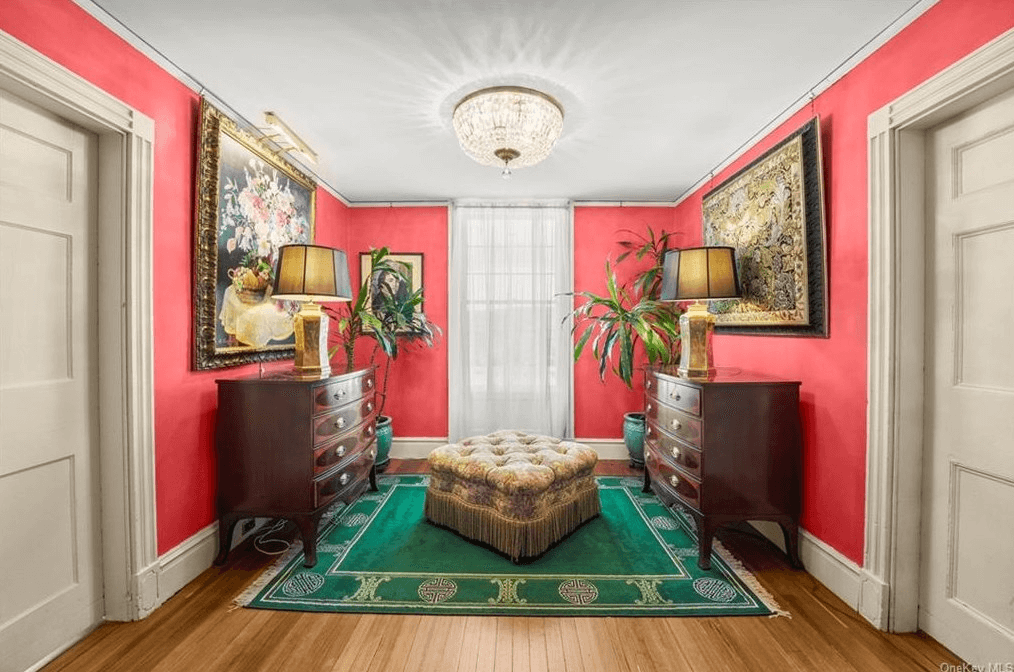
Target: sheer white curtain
x,y
509,347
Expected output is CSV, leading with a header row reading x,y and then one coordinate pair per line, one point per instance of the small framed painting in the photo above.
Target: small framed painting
x,y
249,203
400,286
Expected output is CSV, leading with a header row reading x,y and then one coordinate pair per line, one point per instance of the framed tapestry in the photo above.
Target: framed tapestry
x,y
410,264
249,203
772,212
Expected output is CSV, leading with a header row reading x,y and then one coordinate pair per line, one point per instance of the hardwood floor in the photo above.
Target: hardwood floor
x,y
198,630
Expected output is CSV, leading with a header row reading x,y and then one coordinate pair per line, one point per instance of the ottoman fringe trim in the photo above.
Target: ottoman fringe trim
x,y
515,538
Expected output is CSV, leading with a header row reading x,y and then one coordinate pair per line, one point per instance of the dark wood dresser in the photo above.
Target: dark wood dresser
x,y
290,448
727,448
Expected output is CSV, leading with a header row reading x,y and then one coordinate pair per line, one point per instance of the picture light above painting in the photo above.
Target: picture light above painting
x,y
249,204
772,213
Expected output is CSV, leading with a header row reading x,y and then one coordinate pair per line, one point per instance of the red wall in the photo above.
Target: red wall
x,y
422,412
418,378
833,370
599,405
184,400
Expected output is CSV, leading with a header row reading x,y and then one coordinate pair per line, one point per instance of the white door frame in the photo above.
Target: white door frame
x,y
126,400
889,595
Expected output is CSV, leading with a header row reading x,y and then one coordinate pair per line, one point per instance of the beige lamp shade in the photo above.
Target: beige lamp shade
x,y
700,274
311,273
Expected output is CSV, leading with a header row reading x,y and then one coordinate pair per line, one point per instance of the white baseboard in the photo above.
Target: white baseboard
x,y
414,448
185,562
840,575
608,449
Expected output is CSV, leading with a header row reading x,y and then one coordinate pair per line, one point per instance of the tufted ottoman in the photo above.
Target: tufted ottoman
x,y
519,493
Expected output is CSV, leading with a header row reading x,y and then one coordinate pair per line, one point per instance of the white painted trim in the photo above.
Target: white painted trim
x,y
126,388
414,448
608,449
184,563
840,575
400,204
902,22
624,204
188,560
896,322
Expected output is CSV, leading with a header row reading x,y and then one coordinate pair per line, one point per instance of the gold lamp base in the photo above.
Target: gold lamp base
x,y
696,326
310,325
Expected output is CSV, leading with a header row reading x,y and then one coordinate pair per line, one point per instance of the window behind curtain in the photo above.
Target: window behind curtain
x,y
509,340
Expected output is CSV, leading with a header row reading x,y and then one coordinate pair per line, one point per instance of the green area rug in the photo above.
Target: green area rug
x,y
380,555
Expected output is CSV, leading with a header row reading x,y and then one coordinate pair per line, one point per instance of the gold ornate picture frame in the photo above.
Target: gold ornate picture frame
x,y
772,213
249,203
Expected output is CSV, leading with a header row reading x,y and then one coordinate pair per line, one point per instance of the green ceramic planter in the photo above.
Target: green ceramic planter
x,y
385,432
633,437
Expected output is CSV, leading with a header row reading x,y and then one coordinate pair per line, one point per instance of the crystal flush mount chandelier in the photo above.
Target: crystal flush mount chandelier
x,y
508,126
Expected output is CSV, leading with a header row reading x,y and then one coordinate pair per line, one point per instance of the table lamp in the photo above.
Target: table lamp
x,y
699,274
311,274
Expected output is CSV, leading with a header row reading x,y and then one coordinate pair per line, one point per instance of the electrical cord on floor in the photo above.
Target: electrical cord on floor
x,y
269,545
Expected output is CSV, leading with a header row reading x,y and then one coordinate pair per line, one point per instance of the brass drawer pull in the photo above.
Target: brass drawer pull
x,y
675,481
373,453
647,384
675,395
676,423
649,408
676,452
648,432
369,431
339,451
343,479
339,423
369,406
369,382
339,394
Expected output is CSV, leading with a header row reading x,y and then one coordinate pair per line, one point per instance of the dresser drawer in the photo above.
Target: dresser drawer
x,y
674,393
343,480
672,450
340,393
682,426
326,457
663,474
341,421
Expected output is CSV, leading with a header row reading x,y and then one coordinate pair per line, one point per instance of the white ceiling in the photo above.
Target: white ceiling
x,y
656,93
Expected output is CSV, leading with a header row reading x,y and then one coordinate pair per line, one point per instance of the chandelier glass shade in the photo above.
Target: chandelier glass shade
x,y
508,126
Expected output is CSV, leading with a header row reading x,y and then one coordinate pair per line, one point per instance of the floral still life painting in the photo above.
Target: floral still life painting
x,y
772,213
250,204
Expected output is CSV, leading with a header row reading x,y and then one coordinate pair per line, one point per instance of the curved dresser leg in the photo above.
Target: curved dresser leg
x,y
308,531
790,530
226,524
706,532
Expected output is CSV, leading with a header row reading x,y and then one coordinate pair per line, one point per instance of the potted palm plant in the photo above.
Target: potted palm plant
x,y
392,319
627,314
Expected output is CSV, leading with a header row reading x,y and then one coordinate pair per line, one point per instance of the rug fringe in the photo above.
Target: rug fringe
x,y
748,578
513,537
254,588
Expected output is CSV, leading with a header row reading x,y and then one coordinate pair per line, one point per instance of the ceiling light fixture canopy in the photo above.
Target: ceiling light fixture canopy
x,y
508,125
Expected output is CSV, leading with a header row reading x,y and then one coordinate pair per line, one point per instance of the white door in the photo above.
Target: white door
x,y
50,550
967,574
